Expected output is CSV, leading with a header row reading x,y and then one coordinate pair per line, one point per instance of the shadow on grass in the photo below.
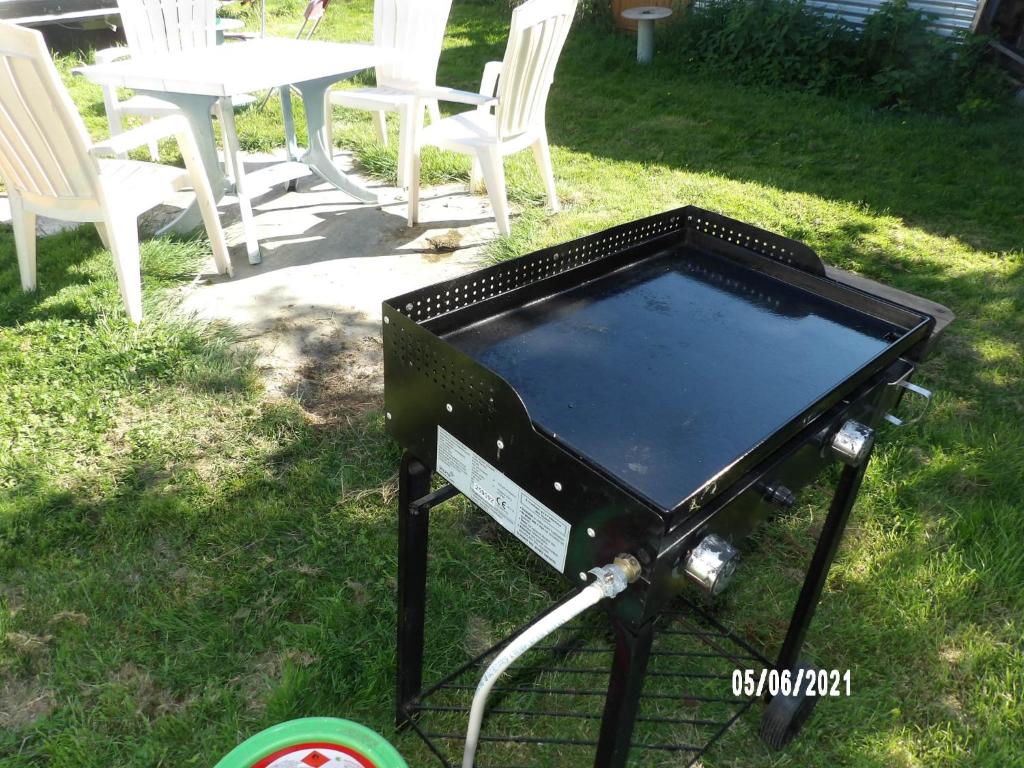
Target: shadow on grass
x,y
75,278
943,175
59,260
215,610
206,592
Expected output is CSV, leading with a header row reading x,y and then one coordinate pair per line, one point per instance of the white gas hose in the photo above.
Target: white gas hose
x,y
609,582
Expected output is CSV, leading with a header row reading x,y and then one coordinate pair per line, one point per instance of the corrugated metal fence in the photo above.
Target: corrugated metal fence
x,y
950,15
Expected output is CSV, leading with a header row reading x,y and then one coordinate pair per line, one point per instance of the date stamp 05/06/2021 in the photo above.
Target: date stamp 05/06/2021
x,y
812,682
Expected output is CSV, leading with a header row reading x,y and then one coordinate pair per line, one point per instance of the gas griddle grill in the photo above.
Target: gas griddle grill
x,y
658,389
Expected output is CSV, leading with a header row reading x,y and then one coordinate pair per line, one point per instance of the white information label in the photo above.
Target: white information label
x,y
521,514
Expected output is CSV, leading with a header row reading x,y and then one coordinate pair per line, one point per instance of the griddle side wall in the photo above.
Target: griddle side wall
x,y
424,375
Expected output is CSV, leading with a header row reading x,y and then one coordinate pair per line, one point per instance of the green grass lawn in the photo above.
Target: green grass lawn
x,y
184,561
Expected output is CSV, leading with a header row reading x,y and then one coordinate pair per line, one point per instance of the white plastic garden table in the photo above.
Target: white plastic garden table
x,y
645,16
195,80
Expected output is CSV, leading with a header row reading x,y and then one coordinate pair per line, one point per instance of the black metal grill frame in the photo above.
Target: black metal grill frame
x,y
424,374
430,383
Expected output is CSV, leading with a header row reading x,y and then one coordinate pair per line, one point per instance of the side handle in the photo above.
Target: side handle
x,y
916,390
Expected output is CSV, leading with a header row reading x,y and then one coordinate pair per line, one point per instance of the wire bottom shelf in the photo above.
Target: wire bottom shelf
x,y
546,712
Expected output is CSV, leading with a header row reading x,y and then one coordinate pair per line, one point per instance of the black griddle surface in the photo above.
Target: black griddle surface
x,y
666,372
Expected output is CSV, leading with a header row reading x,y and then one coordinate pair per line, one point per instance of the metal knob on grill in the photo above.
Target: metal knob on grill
x,y
712,563
776,493
852,443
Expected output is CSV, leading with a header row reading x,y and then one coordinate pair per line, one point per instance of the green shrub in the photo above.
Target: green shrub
x,y
896,61
765,42
911,66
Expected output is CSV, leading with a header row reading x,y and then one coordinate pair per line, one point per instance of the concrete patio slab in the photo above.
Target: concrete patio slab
x,y
312,308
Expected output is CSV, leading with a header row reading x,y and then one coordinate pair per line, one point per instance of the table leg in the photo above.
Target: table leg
x,y
291,141
231,146
318,156
645,41
196,110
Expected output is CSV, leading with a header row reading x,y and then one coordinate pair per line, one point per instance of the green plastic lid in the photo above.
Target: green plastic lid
x,y
314,742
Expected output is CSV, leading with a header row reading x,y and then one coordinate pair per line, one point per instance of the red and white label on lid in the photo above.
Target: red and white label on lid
x,y
316,756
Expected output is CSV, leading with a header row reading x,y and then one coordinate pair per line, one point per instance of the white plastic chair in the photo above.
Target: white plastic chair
x,y
51,168
510,107
414,31
155,28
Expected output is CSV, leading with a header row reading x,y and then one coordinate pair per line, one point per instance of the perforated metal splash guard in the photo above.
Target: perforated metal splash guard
x,y
547,712
695,224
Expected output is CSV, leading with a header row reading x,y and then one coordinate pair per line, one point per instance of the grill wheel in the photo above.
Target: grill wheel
x,y
785,715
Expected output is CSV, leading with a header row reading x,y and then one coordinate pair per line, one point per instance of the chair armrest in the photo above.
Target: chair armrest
x,y
489,81
172,125
107,55
456,96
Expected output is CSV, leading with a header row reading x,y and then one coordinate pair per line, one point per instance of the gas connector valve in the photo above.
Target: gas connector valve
x,y
614,578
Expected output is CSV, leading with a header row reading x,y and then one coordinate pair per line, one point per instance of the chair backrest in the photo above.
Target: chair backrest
x,y
155,27
535,40
311,18
414,29
315,10
44,147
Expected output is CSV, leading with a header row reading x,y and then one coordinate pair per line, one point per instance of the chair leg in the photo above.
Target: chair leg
x,y
407,125
542,154
434,111
493,167
24,224
476,176
380,124
124,244
154,151
104,233
110,105
414,186
218,112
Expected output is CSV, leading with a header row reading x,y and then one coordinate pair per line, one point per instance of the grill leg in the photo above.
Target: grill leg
x,y
625,685
413,484
824,553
